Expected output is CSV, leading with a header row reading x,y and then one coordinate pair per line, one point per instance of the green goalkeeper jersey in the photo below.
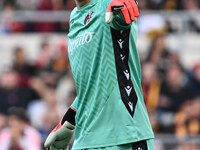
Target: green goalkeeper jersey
x,y
106,70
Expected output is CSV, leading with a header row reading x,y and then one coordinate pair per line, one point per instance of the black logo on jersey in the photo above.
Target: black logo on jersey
x,y
88,17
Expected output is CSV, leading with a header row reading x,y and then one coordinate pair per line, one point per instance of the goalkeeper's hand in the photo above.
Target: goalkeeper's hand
x,y
60,137
128,8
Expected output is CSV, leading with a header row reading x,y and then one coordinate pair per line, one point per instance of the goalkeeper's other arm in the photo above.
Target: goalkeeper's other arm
x,y
61,135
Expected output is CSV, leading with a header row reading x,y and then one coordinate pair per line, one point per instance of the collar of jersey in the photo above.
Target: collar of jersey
x,y
90,4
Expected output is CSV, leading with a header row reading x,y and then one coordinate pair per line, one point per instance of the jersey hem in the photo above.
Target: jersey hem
x,y
113,144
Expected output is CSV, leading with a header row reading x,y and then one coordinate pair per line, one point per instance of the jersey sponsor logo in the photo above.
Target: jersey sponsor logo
x,y
88,17
81,40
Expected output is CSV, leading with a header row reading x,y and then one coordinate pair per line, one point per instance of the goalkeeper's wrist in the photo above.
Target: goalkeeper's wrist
x,y
69,117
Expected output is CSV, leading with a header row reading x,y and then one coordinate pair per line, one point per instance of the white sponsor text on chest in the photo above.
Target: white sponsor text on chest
x,y
82,39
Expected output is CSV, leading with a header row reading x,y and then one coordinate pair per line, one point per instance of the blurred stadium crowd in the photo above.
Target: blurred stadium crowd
x,y
69,4
44,89
35,95
10,26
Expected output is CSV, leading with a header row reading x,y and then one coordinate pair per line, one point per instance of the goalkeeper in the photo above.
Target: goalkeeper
x,y
108,112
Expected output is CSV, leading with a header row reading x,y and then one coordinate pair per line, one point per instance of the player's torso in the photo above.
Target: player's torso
x,y
91,57
102,118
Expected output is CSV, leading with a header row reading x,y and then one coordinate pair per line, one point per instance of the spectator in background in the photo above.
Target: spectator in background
x,y
150,85
10,24
12,94
60,60
21,64
44,58
187,120
7,24
174,92
159,54
19,135
22,67
45,5
50,78
45,113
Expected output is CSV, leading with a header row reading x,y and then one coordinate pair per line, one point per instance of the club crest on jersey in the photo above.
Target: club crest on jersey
x,y
88,17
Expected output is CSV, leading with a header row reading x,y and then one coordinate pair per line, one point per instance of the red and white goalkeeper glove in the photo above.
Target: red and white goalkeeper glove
x,y
60,137
128,8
